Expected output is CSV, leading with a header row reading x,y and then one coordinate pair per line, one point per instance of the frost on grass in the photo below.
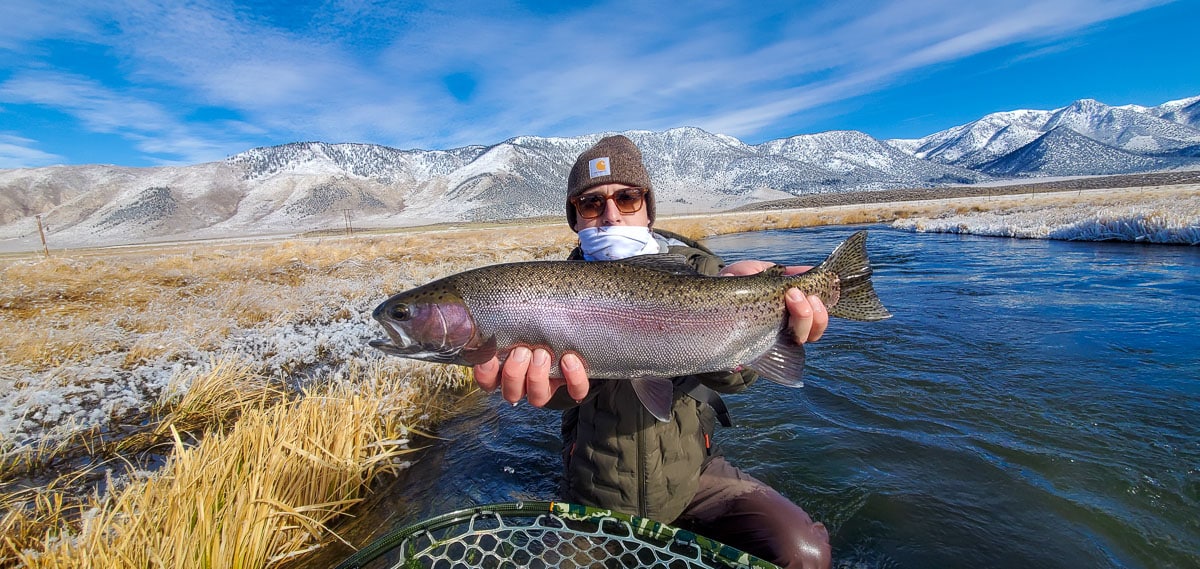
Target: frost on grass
x,y
101,391
1174,220
77,354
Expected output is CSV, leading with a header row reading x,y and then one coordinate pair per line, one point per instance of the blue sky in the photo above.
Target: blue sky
x,y
143,83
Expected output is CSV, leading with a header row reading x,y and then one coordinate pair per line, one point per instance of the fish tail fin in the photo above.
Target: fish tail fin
x,y
857,299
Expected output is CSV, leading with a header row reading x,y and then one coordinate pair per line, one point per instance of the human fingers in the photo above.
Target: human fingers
x,y
555,383
537,380
575,376
742,268
796,269
800,315
820,318
512,375
487,374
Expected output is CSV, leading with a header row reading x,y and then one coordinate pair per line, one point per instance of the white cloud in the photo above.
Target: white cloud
x,y
150,126
367,71
100,109
19,152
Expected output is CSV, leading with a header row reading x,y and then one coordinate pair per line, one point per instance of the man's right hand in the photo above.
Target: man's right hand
x,y
526,374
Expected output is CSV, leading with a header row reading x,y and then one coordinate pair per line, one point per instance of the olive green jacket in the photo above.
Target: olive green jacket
x,y
616,455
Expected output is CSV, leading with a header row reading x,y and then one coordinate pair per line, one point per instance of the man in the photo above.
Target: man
x,y
615,453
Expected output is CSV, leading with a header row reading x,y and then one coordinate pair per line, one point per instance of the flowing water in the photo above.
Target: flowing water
x,y
1031,404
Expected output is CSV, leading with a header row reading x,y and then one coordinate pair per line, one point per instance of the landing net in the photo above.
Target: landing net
x,y
546,534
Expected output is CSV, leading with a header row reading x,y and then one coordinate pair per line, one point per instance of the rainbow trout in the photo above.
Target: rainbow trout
x,y
647,318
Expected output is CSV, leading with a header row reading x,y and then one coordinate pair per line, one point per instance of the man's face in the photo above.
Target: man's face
x,y
611,215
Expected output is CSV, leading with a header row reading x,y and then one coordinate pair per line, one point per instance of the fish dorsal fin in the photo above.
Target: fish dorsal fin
x,y
783,362
775,271
656,395
665,262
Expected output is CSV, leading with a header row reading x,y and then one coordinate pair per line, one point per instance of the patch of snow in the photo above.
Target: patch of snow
x,y
1167,221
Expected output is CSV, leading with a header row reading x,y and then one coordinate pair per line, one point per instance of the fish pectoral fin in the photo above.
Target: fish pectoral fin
x,y
481,354
783,362
656,395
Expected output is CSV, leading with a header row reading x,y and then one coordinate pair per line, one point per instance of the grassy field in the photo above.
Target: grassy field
x,y
214,404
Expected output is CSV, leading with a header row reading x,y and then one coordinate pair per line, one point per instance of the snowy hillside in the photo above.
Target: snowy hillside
x,y
1169,129
309,186
1065,152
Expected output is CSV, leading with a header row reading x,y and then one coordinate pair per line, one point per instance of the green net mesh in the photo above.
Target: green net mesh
x,y
542,535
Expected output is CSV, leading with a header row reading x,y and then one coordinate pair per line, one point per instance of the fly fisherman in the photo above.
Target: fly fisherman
x,y
616,454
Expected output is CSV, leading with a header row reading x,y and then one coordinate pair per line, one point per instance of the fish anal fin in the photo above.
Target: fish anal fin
x,y
656,395
783,363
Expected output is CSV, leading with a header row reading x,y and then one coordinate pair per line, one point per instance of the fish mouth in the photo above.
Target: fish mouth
x,y
399,344
386,346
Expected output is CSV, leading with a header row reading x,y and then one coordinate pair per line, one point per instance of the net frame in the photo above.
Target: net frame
x,y
547,534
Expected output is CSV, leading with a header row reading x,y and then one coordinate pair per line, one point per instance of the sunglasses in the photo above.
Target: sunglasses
x,y
628,200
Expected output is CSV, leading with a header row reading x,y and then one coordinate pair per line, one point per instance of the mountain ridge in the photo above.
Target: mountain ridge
x,y
303,186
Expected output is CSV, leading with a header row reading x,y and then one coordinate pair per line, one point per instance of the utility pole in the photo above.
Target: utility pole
x,y
42,232
349,226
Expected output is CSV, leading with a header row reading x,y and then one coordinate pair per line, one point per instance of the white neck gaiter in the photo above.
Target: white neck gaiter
x,y
616,242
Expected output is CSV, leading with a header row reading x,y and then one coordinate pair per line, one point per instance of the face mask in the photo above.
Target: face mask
x,y
616,242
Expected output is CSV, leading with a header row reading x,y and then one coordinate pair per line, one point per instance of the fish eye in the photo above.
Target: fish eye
x,y
400,312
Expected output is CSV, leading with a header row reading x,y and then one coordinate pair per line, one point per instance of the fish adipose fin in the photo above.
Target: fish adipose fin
x,y
656,395
783,362
857,299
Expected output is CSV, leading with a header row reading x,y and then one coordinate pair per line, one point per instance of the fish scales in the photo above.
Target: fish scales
x,y
664,324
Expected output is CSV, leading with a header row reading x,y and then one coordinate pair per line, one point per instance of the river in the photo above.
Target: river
x,y
1032,403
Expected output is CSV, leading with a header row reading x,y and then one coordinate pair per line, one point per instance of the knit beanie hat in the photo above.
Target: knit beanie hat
x,y
613,160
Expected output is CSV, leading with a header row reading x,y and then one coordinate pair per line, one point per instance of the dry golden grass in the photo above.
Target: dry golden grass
x,y
254,496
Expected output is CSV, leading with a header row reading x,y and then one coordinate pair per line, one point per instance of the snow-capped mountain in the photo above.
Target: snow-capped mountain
x,y
1123,127
865,161
1183,111
1065,152
980,141
312,185
1166,130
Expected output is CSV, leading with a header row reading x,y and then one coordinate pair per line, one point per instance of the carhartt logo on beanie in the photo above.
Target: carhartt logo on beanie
x,y
598,167
613,160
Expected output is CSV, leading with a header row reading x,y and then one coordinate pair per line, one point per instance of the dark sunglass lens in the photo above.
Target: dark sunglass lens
x,y
590,206
628,201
